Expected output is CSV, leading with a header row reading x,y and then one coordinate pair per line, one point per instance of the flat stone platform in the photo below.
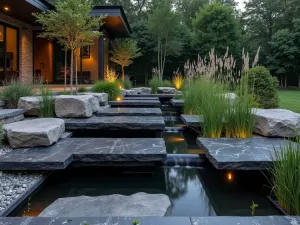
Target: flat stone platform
x,y
129,112
240,154
11,115
165,96
153,220
177,102
135,103
95,151
116,122
140,98
192,120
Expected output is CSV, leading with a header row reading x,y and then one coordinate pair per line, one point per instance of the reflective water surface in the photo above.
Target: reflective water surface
x,y
193,192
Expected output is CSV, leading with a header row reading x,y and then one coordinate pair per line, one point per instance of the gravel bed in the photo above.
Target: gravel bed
x,y
13,184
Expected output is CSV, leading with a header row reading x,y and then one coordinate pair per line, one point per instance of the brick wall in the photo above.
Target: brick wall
x,y
25,47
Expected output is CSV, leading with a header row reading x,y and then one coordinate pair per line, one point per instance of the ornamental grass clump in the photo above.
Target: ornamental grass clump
x,y
110,75
13,92
285,177
239,116
154,83
47,103
178,81
112,89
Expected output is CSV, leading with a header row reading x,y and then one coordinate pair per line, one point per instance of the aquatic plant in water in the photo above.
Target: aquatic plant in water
x,y
285,177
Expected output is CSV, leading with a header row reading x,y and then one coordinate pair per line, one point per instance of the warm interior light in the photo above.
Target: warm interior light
x,y
6,8
118,99
229,176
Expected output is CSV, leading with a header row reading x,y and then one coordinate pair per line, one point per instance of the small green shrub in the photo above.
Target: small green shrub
x,y
155,83
285,180
127,83
112,89
264,86
13,92
47,103
2,136
166,83
65,93
82,89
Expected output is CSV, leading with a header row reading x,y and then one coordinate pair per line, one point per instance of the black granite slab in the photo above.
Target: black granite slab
x,y
85,150
95,221
192,120
140,98
177,102
6,113
257,220
240,154
139,103
116,122
129,112
160,96
213,220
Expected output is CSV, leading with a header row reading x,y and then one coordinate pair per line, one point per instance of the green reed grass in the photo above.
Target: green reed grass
x,y
285,178
47,103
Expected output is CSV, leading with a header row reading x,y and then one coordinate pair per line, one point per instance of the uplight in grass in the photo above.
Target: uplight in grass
x,y
178,81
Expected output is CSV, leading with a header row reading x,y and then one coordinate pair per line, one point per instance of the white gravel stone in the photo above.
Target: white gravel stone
x,y
13,184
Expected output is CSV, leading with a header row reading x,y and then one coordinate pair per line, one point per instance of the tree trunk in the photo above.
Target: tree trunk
x,y
76,71
65,86
71,72
123,74
158,48
281,81
165,52
285,81
299,81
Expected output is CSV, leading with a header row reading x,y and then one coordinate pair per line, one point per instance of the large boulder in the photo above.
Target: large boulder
x,y
142,90
36,132
74,106
30,105
126,92
139,204
276,123
166,90
102,97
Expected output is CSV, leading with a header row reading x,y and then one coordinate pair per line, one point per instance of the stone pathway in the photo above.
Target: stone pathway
x,y
11,115
94,151
129,112
135,103
240,154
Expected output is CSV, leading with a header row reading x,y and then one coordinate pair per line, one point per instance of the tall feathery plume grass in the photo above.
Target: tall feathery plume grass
x,y
285,180
207,81
178,80
110,75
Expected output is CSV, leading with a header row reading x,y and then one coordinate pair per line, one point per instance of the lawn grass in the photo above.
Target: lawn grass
x,y
289,99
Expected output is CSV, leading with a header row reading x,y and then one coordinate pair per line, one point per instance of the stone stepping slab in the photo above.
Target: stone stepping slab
x,y
11,115
166,96
140,98
239,153
85,150
177,102
129,112
139,103
192,120
116,122
154,220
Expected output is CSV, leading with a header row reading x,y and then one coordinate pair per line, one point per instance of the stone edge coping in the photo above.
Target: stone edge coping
x,y
213,220
177,102
23,196
154,95
120,112
7,113
135,102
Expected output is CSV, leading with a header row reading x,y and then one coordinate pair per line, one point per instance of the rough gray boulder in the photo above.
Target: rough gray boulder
x,y
276,123
37,132
73,106
30,105
142,90
139,204
128,92
102,97
166,90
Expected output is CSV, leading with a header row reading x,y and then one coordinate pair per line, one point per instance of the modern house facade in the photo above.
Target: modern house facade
x,y
29,58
